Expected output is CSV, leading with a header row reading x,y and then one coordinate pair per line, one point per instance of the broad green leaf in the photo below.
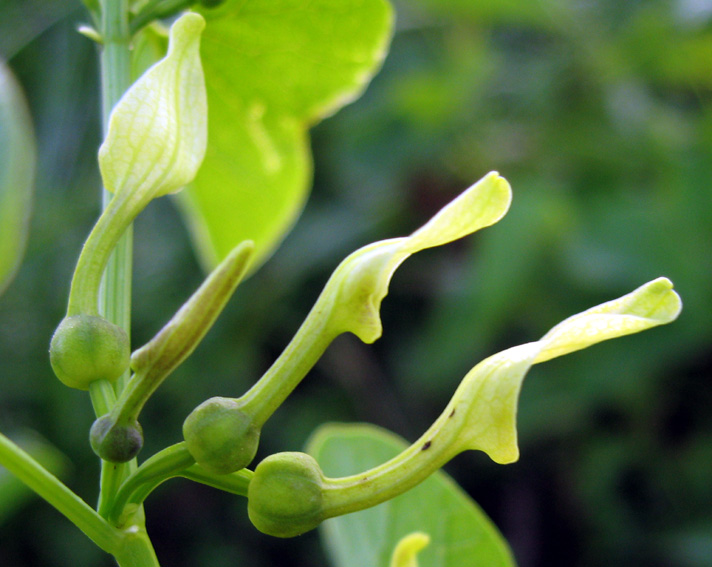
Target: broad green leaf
x,y
273,68
17,172
460,533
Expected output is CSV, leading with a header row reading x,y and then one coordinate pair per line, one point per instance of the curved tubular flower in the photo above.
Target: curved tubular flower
x,y
154,146
482,413
404,555
352,297
223,433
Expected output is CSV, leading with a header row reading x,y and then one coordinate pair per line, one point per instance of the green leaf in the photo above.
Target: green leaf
x,y
17,172
460,533
273,68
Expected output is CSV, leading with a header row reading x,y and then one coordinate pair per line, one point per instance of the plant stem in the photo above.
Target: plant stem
x,y
136,550
115,295
165,464
298,358
115,301
171,462
49,487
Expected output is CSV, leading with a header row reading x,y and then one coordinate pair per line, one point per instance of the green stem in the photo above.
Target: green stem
x,y
165,464
234,483
300,356
118,214
115,298
102,396
136,550
156,9
49,487
115,294
436,446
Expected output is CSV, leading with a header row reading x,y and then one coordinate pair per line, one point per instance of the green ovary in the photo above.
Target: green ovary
x,y
87,348
284,497
220,436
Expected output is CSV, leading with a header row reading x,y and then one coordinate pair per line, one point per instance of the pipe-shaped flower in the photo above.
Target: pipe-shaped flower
x,y
404,555
222,434
482,413
357,287
480,416
352,297
158,130
485,404
155,145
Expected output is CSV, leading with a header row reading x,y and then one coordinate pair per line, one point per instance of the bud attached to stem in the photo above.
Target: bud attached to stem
x,y
221,437
284,498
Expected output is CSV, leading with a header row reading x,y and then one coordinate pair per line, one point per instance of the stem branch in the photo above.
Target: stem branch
x,y
49,487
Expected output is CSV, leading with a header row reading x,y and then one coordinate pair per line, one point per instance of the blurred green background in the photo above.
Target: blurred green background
x,y
599,113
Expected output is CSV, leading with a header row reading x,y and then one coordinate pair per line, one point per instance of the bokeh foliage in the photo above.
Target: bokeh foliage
x,y
598,113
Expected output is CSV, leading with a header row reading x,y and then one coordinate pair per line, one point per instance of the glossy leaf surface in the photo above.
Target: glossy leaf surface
x,y
460,532
273,68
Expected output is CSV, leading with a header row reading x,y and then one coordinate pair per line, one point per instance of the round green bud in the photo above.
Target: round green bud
x,y
284,498
115,443
86,348
220,436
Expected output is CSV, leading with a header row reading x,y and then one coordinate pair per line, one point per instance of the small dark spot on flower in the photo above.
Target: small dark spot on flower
x,y
452,413
426,446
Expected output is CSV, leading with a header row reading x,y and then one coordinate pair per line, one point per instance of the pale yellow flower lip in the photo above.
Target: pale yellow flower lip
x,y
486,401
361,281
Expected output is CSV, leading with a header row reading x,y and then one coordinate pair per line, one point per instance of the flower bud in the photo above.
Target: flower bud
x,y
220,436
284,498
86,348
158,130
116,443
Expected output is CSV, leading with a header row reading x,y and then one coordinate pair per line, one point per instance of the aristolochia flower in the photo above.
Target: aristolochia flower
x,y
155,145
480,416
359,284
158,130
